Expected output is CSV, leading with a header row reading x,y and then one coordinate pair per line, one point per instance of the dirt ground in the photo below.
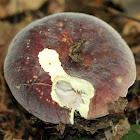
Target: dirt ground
x,y
17,124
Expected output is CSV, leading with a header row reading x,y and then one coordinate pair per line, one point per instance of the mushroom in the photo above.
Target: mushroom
x,y
66,63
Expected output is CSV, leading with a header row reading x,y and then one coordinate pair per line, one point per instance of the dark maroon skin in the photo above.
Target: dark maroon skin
x,y
105,57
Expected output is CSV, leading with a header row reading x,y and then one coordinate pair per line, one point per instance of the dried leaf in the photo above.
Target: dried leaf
x,y
138,131
8,137
61,127
136,49
132,27
118,107
118,130
56,6
17,6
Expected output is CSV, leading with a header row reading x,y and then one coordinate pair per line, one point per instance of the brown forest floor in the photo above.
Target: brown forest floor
x,y
16,123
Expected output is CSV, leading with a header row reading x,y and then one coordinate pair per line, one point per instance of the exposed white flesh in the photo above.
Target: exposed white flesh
x,y
66,94
71,92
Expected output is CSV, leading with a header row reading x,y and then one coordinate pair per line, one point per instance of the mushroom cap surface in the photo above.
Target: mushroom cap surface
x,y
103,59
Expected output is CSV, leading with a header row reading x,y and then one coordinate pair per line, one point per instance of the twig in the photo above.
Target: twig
x,y
136,114
118,13
114,12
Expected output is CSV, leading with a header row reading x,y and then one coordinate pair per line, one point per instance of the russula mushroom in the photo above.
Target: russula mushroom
x,y
68,62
